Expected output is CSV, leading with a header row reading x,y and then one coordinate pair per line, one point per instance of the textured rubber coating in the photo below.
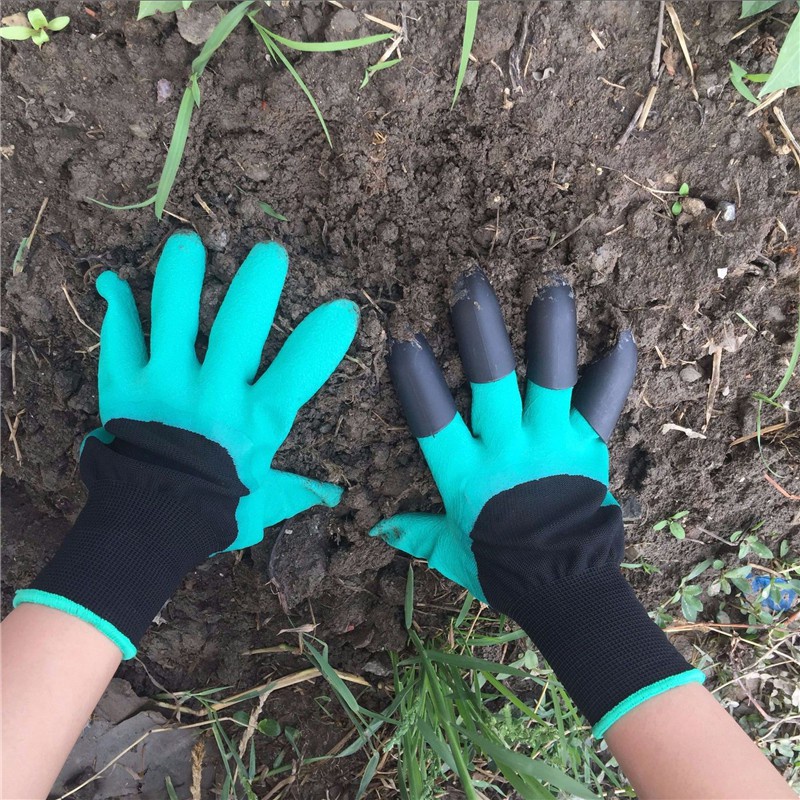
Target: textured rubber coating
x,y
161,500
548,555
483,342
604,385
424,394
552,344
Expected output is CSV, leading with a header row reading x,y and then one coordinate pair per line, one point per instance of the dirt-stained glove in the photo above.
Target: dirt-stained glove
x,y
181,468
529,525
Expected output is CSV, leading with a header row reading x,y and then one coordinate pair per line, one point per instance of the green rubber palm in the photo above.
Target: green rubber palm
x,y
220,398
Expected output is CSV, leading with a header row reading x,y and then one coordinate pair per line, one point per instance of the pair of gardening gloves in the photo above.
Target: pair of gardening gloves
x,y
181,469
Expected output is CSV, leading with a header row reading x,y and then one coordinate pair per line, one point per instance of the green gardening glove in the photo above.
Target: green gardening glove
x,y
529,525
182,466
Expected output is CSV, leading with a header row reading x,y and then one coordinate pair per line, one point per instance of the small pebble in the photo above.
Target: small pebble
x,y
690,374
728,210
163,91
722,273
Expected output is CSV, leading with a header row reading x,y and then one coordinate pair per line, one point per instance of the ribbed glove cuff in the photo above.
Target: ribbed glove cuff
x,y
601,643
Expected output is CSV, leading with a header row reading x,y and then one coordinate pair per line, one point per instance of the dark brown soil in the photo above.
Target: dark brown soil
x,y
410,193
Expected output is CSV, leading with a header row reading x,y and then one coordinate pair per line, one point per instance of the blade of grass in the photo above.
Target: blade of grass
x,y
276,52
381,65
175,152
369,774
409,599
737,79
142,204
470,662
330,47
786,72
270,211
221,31
470,23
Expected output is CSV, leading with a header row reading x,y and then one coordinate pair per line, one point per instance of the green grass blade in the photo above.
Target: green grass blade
x,y
786,72
465,607
523,765
270,211
409,599
793,359
470,23
320,659
330,47
220,33
437,744
737,79
175,152
171,793
752,7
381,65
470,662
369,774
276,52
142,204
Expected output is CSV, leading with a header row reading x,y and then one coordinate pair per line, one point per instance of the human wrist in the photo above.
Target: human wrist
x,y
160,502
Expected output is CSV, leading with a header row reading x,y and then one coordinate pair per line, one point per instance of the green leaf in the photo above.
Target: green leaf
x,y
221,31
682,192
793,359
143,204
195,87
529,767
760,549
699,569
270,211
659,526
330,47
690,607
784,548
58,23
171,793
409,599
149,7
381,65
276,52
676,208
16,33
718,563
320,659
470,662
752,7
786,72
437,744
677,530
465,607
369,774
470,23
37,19
40,37
269,727
175,152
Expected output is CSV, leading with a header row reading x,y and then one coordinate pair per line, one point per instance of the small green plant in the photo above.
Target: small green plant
x,y
677,206
37,32
470,23
192,97
786,72
674,524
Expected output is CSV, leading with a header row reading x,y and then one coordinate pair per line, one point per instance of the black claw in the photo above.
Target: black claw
x,y
604,385
424,395
552,346
480,330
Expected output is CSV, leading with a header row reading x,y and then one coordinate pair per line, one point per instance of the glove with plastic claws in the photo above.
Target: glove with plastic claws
x,y
181,469
529,525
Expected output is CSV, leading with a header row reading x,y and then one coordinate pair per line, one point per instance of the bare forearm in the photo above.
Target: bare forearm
x,y
683,744
55,667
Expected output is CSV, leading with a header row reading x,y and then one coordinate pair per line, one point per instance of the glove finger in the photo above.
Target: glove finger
x,y
552,351
603,386
428,406
487,358
415,533
245,316
307,359
176,302
282,496
122,348
429,536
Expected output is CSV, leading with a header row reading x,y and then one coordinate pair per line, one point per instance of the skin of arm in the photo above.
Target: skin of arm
x,y
683,744
54,668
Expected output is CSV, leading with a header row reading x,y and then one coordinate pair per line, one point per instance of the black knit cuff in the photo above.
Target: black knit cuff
x,y
161,501
599,640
